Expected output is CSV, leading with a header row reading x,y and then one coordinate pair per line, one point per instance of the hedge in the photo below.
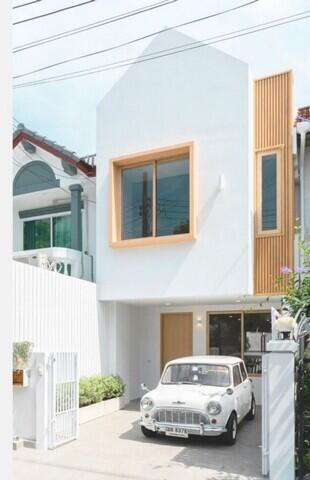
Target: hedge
x,y
97,388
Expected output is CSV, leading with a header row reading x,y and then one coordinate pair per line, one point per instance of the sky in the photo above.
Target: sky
x,y
66,111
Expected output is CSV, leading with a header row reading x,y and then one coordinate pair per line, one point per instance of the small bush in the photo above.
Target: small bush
x,y
97,388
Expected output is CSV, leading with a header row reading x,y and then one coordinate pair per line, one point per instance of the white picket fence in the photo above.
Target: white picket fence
x,y
58,314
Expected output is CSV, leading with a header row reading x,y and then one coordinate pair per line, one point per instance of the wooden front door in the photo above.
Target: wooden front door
x,y
176,336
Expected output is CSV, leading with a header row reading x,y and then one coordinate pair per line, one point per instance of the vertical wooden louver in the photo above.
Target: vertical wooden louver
x,y
273,131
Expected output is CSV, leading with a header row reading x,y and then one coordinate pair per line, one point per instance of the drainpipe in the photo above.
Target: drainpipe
x,y
76,217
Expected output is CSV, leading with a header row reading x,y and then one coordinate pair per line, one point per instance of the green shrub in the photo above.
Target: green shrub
x,y
97,388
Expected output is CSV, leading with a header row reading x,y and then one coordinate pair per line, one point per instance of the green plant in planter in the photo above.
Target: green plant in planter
x,y
97,388
21,354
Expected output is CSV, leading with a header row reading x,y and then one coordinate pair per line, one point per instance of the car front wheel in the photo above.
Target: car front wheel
x,y
148,433
230,436
251,414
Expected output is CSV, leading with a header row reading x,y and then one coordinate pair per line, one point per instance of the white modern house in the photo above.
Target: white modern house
x,y
54,206
195,210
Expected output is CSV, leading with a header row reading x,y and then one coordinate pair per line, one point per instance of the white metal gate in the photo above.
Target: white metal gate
x,y
64,398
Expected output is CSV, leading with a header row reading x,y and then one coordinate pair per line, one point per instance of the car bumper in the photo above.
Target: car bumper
x,y
202,430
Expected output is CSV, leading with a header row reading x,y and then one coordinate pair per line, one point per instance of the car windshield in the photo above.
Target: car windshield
x,y
197,374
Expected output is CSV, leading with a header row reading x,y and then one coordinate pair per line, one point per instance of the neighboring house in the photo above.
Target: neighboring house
x,y
303,171
54,206
195,210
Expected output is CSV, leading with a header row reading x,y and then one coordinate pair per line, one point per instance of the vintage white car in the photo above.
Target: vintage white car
x,y
205,395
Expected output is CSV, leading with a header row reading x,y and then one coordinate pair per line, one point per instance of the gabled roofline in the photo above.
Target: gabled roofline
x,y
67,156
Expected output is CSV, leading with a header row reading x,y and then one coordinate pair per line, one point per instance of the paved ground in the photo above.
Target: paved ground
x,y
112,448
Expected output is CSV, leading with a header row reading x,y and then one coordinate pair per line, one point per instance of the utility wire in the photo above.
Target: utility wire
x,y
19,164
130,42
171,51
80,176
106,21
53,12
26,4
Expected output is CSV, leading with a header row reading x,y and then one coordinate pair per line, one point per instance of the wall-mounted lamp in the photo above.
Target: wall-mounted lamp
x,y
199,321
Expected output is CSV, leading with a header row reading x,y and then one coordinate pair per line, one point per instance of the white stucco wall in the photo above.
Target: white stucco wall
x,y
205,96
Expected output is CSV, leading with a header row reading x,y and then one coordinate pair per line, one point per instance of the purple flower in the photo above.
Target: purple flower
x,y
301,270
285,270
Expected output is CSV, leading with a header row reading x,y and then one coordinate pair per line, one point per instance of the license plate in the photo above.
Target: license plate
x,y
176,432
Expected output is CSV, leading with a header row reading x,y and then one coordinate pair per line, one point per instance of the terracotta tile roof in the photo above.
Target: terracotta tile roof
x,y
303,114
86,164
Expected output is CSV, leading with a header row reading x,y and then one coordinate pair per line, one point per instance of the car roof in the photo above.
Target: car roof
x,y
210,359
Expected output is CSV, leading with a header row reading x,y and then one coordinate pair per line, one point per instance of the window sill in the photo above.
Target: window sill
x,y
149,241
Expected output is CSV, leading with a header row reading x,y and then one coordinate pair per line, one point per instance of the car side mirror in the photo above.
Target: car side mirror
x,y
144,387
229,391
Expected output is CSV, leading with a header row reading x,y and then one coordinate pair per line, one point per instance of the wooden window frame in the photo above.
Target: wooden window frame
x,y
143,158
278,151
242,313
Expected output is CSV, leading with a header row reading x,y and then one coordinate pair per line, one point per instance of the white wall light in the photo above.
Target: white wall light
x,y
199,321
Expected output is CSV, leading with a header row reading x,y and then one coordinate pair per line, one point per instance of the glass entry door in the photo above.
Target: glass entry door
x,y
225,334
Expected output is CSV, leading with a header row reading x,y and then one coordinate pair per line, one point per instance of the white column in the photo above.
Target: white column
x,y
281,409
5,242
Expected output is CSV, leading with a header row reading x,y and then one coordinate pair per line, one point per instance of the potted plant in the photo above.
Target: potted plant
x,y
21,357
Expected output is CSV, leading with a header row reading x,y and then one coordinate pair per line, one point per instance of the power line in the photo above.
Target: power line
x,y
130,42
90,26
26,4
79,177
19,164
53,12
171,51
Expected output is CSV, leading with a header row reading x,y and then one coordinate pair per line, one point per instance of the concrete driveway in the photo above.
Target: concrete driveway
x,y
112,448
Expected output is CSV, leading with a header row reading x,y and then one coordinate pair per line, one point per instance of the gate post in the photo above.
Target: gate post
x,y
280,408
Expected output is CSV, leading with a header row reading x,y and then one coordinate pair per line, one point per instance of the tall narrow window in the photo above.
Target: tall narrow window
x,y
269,192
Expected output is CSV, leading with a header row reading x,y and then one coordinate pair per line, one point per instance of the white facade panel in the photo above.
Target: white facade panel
x,y
58,314
202,96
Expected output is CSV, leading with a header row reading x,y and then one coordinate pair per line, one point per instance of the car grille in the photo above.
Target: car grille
x,y
180,416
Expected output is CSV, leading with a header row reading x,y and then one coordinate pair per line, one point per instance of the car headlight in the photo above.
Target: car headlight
x,y
147,403
214,408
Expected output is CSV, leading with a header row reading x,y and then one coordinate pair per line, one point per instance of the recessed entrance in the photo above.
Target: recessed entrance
x,y
176,336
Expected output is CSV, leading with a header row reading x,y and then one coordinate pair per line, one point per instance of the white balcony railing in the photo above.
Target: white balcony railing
x,y
55,259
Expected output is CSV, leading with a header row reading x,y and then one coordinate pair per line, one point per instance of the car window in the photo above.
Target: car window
x,y
243,371
236,375
201,374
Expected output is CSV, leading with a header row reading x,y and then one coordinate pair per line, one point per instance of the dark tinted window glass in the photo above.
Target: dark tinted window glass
x,y
137,198
236,375
225,334
172,197
62,231
269,192
37,234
